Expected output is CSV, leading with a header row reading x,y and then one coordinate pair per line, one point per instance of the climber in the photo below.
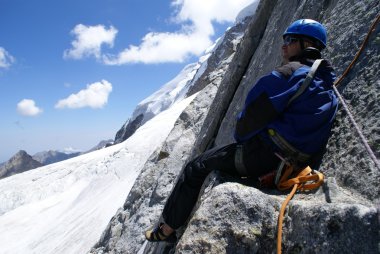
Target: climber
x,y
273,123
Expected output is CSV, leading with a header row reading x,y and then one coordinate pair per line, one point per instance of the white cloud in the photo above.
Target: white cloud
x,y
69,150
6,59
89,40
94,96
28,107
196,18
202,13
162,47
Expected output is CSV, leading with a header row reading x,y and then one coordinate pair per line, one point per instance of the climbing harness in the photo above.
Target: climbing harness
x,y
308,179
290,154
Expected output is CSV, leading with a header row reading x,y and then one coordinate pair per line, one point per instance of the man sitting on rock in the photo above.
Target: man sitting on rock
x,y
280,117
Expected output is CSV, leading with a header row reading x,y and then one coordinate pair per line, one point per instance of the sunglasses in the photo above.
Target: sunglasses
x,y
289,40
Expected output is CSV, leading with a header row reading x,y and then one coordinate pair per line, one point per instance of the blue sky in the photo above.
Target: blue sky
x,y
71,72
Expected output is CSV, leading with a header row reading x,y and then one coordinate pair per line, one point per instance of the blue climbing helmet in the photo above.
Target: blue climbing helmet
x,y
309,28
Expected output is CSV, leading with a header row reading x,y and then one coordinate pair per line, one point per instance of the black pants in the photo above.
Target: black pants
x,y
258,159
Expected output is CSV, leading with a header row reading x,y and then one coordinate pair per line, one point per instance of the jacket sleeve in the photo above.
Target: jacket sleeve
x,y
264,103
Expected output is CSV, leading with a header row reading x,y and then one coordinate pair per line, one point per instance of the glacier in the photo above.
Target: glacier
x,y
64,207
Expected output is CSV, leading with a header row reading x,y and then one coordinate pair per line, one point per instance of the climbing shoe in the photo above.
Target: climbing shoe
x,y
156,235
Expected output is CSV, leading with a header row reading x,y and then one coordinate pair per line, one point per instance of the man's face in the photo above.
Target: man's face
x,y
290,47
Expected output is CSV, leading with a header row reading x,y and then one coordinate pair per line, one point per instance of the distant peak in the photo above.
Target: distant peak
x,y
21,153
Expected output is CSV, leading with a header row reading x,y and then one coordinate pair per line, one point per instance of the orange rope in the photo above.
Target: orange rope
x,y
374,24
281,217
307,179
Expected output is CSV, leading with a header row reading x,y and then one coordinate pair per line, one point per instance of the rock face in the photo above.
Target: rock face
x,y
19,163
341,217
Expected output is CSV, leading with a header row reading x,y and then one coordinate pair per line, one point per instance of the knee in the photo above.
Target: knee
x,y
195,170
190,169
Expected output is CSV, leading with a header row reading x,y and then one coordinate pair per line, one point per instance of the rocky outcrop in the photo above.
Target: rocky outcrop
x,y
234,218
128,129
19,163
341,217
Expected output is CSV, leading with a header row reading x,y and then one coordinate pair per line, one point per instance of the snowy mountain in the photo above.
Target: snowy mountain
x,y
173,91
51,156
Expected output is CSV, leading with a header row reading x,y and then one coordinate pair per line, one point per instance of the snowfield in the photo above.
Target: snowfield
x,y
64,207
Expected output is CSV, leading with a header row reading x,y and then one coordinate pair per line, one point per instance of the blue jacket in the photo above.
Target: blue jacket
x,y
305,123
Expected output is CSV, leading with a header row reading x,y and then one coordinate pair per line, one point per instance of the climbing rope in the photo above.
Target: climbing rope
x,y
356,57
357,128
308,179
